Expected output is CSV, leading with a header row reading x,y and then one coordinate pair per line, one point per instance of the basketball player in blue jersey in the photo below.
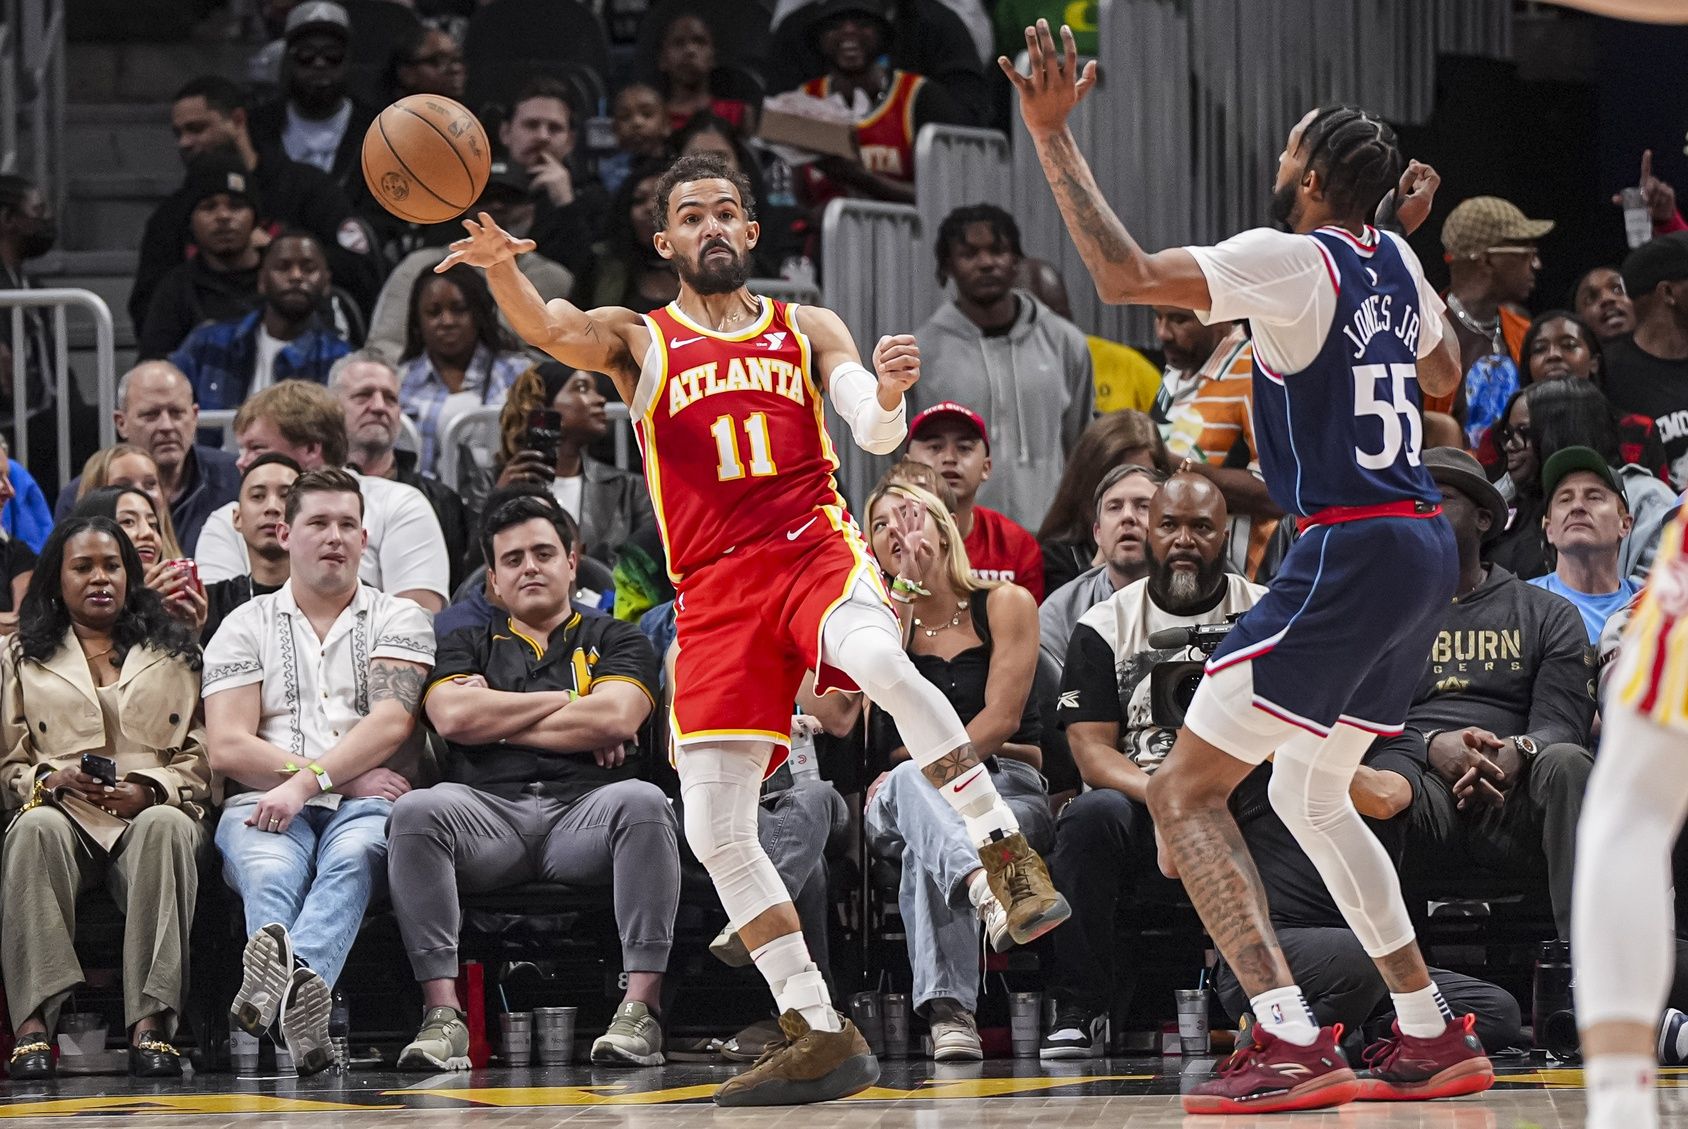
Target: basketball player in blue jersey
x,y
1346,332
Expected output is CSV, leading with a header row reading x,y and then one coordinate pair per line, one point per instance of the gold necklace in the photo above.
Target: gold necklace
x,y
954,621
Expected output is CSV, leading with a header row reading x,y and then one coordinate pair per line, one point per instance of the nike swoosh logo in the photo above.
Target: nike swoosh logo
x,y
798,532
675,343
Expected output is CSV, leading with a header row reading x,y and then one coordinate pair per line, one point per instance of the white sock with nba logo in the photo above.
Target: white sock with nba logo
x,y
1284,1012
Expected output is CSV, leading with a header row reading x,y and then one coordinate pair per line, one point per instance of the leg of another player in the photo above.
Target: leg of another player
x,y
1620,918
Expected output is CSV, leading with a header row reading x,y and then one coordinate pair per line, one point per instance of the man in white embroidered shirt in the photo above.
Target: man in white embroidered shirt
x,y
310,700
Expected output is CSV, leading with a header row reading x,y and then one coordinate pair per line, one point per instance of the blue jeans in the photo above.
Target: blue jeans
x,y
316,878
909,821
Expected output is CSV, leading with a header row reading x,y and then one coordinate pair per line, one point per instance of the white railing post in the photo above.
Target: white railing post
x,y
105,363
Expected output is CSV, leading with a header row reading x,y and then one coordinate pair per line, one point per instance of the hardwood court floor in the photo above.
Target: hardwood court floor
x,y
1131,1093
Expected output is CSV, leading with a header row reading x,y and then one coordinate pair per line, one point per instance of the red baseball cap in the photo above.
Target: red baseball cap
x,y
949,409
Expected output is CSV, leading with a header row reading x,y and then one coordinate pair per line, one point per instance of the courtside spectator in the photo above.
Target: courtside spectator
x,y
626,268
98,666
221,281
285,338
209,115
156,413
1504,710
456,355
306,853
685,63
28,230
1559,345
977,642
1587,521
368,388
541,135
505,198
138,515
1067,535
541,784
1007,354
1600,300
1105,840
17,558
642,130
1492,264
305,422
317,122
259,511
952,439
1648,372
1194,352
1340,980
428,61
610,504
26,515
1120,526
124,464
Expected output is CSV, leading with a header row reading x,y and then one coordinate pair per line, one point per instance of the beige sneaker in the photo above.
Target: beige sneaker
x,y
955,1036
1021,883
634,1038
806,1066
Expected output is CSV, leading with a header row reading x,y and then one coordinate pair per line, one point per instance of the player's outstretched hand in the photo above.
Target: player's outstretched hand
x,y
487,245
1055,84
1414,195
896,360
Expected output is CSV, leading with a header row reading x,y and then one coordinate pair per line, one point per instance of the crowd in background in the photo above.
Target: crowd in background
x,y
1081,499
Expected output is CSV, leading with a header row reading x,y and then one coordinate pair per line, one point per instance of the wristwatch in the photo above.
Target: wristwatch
x,y
1527,748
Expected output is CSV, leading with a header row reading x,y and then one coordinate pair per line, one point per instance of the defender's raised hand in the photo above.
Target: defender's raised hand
x,y
487,245
1054,85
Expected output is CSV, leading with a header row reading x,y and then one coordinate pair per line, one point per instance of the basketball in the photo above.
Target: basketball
x,y
426,158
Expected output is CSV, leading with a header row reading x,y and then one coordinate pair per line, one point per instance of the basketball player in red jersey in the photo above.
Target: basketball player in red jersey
x,y
774,580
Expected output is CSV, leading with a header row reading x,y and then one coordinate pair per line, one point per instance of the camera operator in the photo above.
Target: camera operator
x,y
1105,842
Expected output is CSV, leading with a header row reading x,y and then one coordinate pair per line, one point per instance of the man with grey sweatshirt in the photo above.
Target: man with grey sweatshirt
x,y
1010,357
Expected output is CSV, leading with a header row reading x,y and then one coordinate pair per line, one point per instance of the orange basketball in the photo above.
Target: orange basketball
x,y
426,158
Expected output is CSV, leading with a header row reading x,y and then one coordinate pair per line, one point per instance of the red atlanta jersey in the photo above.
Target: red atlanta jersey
x,y
733,434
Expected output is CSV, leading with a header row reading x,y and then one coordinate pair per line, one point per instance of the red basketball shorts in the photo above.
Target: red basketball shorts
x,y
748,627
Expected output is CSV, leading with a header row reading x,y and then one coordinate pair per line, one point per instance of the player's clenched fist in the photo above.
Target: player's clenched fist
x,y
897,361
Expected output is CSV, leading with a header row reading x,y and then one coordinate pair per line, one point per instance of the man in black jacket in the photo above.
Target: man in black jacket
x,y
221,281
1506,709
368,389
209,114
317,122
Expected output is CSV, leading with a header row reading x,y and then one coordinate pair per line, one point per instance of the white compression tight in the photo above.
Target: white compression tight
x,y
1620,904
1309,791
720,786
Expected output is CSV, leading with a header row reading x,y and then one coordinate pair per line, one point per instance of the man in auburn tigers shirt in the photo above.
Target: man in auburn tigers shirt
x,y
951,439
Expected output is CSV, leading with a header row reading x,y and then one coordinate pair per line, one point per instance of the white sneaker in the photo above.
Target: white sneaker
x,y
955,1038
995,919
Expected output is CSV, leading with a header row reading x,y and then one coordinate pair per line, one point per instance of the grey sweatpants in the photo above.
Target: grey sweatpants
x,y
452,838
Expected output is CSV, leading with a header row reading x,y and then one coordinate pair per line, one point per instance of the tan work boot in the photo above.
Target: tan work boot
x,y
1021,883
806,1066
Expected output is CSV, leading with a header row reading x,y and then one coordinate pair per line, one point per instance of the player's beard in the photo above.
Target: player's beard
x,y
717,277
1283,207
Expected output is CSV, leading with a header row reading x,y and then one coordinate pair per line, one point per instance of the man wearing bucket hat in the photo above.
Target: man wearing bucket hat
x,y
1490,247
1504,710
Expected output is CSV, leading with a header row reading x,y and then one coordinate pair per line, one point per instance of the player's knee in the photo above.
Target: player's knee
x,y
1176,792
718,834
1307,801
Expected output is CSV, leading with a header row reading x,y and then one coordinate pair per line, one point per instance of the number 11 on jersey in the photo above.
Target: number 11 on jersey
x,y
728,465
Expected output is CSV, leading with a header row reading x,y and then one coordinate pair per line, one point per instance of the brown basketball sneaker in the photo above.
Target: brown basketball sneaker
x,y
1021,883
806,1066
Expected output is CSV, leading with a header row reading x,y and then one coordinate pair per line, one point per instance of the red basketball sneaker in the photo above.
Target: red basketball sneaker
x,y
1273,1075
1405,1069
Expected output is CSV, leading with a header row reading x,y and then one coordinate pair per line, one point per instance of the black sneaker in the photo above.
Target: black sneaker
x,y
1076,1033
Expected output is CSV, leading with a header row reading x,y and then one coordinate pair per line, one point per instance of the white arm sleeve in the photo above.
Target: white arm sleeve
x,y
854,394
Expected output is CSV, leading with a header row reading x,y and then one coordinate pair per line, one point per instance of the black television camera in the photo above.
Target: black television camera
x,y
1172,685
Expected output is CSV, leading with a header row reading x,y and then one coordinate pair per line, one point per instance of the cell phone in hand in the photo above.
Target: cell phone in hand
x,y
103,769
544,433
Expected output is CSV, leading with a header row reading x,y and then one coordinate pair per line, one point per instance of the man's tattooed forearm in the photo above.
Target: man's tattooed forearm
x,y
951,765
400,682
1087,213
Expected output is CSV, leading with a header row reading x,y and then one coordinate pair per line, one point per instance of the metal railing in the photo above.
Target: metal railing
x,y
33,79
105,378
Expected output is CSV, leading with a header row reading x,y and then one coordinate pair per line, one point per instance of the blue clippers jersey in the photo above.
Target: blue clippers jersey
x,y
1346,430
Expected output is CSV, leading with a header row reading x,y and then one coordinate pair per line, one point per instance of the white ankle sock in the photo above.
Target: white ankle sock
x,y
796,982
1284,1012
974,796
1620,1092
1423,1014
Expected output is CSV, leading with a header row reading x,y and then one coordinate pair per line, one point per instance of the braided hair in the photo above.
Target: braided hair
x,y
1356,156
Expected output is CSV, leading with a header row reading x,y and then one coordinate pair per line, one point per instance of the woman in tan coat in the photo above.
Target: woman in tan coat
x,y
98,668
